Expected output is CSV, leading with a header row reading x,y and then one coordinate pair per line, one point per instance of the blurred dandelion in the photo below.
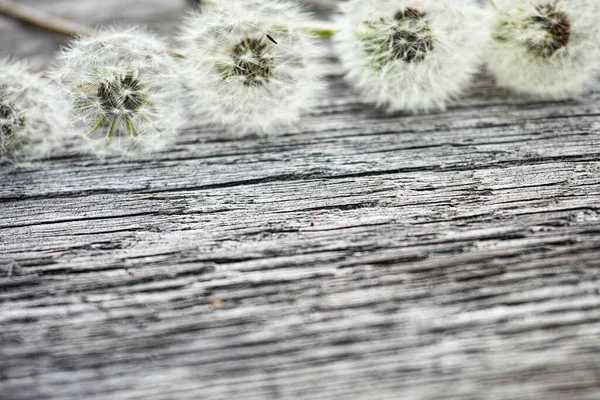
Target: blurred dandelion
x,y
33,120
410,54
125,89
251,66
549,48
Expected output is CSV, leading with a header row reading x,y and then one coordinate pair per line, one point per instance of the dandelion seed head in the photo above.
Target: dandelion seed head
x,y
252,67
411,38
251,61
125,89
410,54
549,48
33,120
11,121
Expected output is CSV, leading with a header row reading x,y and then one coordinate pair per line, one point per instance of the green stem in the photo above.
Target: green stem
x,y
81,109
111,131
130,127
325,32
100,122
322,29
68,28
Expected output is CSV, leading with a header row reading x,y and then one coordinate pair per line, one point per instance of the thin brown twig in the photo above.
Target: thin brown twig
x,y
31,16
39,19
48,22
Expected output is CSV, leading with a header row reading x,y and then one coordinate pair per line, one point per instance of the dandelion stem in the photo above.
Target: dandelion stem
x,y
81,109
42,20
50,23
111,131
99,123
31,16
322,30
130,127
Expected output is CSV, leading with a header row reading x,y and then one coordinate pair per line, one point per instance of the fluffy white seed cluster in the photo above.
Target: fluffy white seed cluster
x,y
33,117
549,48
252,67
125,91
410,54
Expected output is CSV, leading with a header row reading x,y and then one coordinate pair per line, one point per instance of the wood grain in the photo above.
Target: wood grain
x,y
454,255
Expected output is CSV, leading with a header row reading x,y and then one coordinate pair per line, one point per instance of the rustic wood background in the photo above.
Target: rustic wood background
x,y
454,255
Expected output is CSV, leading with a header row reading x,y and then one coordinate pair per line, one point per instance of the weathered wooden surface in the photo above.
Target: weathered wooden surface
x,y
360,256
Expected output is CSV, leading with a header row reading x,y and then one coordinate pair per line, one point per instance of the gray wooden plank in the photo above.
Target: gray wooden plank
x,y
453,255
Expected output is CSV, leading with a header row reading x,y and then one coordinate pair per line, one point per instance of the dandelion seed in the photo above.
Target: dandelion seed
x,y
32,114
413,54
549,48
250,66
125,89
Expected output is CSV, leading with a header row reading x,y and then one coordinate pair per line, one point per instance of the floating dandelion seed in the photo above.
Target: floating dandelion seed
x,y
410,55
251,67
549,48
32,114
125,91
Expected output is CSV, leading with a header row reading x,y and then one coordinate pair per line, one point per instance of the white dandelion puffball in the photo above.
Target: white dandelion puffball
x,y
549,48
125,90
33,118
410,54
252,66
